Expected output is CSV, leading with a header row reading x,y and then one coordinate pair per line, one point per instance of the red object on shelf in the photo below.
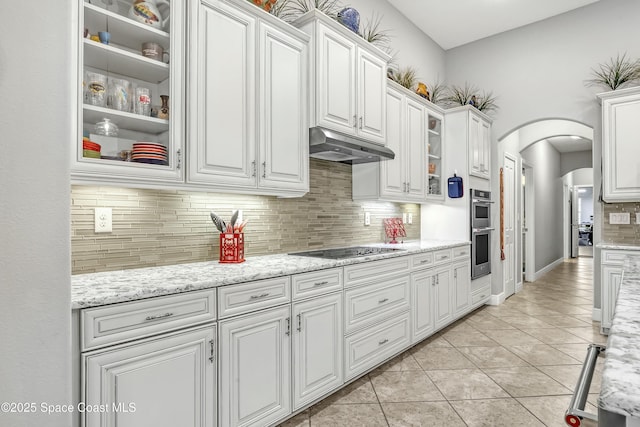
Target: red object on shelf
x,y
394,227
231,248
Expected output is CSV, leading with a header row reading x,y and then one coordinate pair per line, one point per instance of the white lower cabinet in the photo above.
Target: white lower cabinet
x,y
165,381
422,290
317,348
461,288
255,368
442,297
612,270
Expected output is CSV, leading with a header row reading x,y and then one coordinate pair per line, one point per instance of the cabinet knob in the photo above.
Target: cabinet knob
x,y
360,122
355,121
253,167
264,169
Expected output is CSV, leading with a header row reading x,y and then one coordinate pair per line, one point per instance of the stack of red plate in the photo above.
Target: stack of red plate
x,y
90,149
149,152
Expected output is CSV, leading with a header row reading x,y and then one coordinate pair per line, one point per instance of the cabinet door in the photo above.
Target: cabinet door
x,y
475,146
393,177
461,289
611,278
336,79
255,366
284,126
620,149
317,348
422,289
486,149
372,86
416,158
442,297
223,96
435,155
168,381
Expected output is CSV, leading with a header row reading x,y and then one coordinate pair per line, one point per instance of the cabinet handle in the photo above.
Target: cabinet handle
x,y
299,323
382,301
179,162
437,280
424,261
213,346
444,257
253,166
288,332
255,297
384,341
315,285
433,281
455,274
264,169
463,253
355,121
158,317
360,122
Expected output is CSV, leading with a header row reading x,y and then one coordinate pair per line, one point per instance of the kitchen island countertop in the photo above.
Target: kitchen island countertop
x,y
95,289
620,388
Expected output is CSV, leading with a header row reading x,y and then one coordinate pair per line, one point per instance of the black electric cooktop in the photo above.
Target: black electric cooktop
x,y
352,252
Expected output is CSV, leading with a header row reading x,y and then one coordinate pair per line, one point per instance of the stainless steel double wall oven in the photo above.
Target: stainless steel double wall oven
x,y
480,233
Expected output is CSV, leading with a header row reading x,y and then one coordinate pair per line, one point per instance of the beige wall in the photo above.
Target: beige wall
x,y
154,227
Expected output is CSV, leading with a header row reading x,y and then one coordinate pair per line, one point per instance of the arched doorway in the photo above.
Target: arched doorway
x,y
539,149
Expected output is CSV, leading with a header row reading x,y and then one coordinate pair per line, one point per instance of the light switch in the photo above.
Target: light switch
x,y
620,218
404,217
637,217
410,218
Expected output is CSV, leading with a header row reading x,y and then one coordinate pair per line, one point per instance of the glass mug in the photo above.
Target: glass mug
x,y
96,89
143,101
119,94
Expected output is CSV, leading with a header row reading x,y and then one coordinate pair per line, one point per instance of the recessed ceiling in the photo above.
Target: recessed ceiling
x,y
452,23
570,144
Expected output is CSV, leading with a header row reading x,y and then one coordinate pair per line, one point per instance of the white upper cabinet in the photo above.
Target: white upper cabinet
x,y
111,79
348,80
620,148
479,146
469,130
248,101
413,128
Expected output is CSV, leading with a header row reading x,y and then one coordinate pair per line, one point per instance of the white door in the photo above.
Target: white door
x,y
317,348
422,291
336,73
393,172
509,205
461,288
416,157
223,96
165,382
372,85
284,128
255,368
575,222
442,297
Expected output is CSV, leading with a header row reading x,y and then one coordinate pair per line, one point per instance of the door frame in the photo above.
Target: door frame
x,y
528,200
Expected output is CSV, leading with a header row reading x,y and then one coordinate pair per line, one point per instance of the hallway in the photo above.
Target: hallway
x,y
513,364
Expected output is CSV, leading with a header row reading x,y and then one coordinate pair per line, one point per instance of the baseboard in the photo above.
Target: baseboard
x,y
496,299
596,315
547,269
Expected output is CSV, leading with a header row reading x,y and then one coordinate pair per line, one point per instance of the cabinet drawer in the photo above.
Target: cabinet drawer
x,y
376,302
482,294
252,296
132,320
316,283
613,257
442,256
358,273
367,348
461,252
422,260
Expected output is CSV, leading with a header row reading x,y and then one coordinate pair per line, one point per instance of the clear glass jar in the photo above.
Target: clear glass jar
x,y
107,128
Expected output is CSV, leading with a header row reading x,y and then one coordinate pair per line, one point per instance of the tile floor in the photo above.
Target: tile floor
x,y
510,365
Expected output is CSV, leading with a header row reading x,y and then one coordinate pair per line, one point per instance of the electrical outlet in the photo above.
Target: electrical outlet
x,y
103,220
367,218
410,218
404,217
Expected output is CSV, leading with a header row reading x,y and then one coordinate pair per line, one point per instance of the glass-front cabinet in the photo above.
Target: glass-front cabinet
x,y
130,92
435,156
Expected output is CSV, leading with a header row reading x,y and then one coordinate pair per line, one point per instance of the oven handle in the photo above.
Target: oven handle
x,y
481,230
478,201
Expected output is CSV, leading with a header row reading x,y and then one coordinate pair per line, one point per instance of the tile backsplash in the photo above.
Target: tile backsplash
x,y
617,233
158,227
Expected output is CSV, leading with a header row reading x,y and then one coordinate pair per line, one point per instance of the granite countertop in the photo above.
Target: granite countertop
x,y
620,390
95,289
618,246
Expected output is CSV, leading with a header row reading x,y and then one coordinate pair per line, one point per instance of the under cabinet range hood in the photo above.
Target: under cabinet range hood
x,y
330,145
